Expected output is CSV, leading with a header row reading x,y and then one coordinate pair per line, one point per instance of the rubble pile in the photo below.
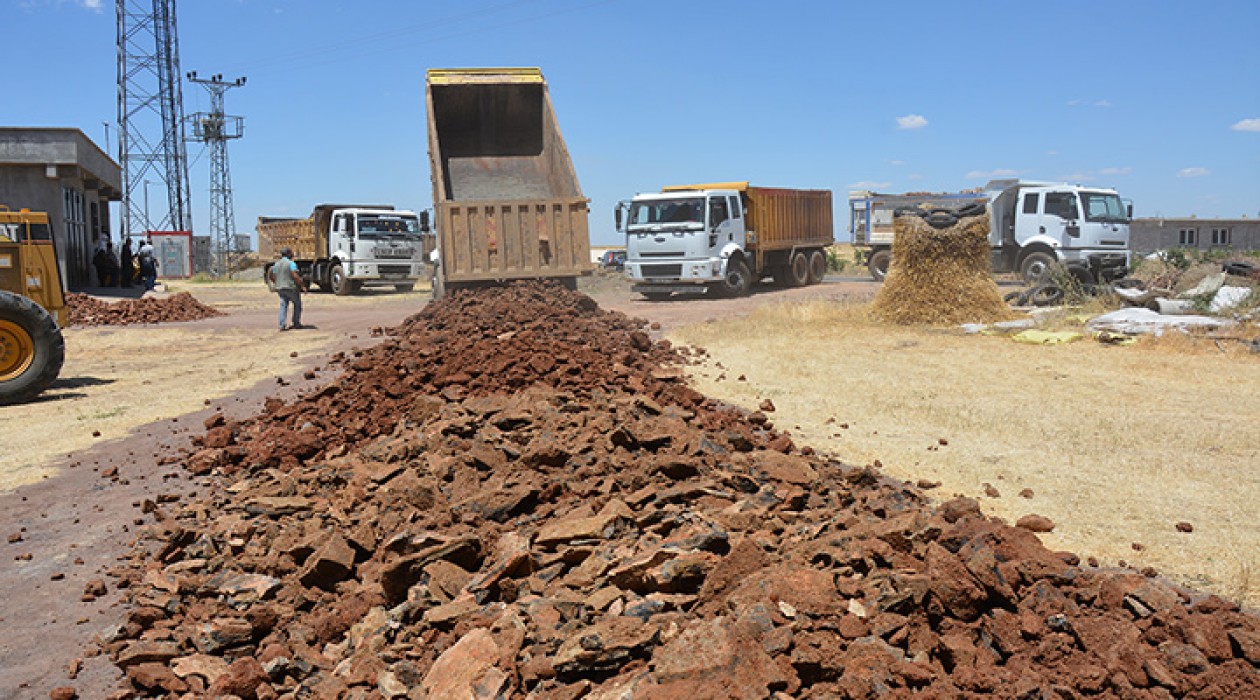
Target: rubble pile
x,y
515,494
940,275
87,310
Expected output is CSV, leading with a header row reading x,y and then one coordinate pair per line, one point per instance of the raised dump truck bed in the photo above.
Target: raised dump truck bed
x,y
506,199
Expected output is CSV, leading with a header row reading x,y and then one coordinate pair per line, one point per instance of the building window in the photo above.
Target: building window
x,y
1188,237
1220,236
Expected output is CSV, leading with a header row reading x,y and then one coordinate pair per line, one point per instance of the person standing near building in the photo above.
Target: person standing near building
x,y
127,271
148,265
288,284
100,261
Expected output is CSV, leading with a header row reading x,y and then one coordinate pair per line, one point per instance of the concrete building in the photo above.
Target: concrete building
x,y
1149,235
62,172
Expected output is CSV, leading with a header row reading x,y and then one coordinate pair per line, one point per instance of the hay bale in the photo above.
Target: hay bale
x,y
940,276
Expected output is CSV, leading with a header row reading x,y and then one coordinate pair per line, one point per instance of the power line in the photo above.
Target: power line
x,y
303,58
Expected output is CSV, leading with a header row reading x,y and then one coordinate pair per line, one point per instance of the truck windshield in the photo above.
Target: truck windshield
x,y
386,226
1103,207
656,212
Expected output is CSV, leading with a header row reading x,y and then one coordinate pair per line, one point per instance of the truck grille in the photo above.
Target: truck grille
x,y
393,252
662,270
394,269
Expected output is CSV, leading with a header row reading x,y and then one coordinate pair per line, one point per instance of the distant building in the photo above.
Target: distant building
x,y
62,172
1150,235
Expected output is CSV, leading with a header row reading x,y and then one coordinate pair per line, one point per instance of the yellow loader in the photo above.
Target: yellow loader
x,y
32,306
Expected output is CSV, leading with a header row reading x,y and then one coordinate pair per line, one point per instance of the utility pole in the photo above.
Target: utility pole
x,y
215,129
151,114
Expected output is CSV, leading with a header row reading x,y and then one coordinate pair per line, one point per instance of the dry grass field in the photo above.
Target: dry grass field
x,y
117,378
1116,444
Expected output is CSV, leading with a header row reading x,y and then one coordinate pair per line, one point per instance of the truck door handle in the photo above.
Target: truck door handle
x,y
1043,229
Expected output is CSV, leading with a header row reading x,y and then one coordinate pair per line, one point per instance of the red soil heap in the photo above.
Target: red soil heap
x,y
90,311
515,495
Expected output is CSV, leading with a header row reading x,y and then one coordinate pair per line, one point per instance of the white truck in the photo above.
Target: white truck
x,y
343,248
721,238
1032,226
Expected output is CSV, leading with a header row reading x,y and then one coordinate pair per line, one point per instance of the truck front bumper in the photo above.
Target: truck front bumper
x,y
392,272
685,273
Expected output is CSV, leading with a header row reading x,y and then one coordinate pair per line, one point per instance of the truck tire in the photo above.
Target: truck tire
x,y
1046,295
1035,267
31,349
798,270
340,285
569,283
738,280
878,264
817,266
405,287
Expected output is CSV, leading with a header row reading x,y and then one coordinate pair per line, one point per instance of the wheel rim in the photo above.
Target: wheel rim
x,y
1037,268
17,350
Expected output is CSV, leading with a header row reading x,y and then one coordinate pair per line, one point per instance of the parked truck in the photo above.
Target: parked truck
x,y
343,248
507,204
1032,226
721,238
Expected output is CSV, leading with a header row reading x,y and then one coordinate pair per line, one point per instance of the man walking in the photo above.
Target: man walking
x,y
148,265
289,285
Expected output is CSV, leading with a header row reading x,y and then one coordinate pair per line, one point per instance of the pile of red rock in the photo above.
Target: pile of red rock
x,y
87,310
516,495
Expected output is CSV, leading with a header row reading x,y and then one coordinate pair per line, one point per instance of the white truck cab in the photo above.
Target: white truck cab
x,y
684,237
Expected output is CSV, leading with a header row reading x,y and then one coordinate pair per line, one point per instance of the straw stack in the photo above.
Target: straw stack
x,y
940,276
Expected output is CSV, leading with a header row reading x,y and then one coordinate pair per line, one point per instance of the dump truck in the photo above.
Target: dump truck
x,y
345,247
1032,226
507,204
32,306
722,238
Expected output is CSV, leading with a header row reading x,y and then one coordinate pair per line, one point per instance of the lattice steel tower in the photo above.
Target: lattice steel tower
x,y
151,116
215,129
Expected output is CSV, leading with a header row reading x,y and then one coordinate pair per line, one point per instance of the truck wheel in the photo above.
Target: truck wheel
x,y
570,283
878,264
738,280
405,287
340,285
1036,266
817,266
798,273
31,349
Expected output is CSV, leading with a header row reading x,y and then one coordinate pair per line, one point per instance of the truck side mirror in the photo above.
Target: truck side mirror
x,y
1128,209
424,222
617,217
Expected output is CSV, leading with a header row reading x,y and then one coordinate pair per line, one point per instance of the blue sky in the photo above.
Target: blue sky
x,y
1160,100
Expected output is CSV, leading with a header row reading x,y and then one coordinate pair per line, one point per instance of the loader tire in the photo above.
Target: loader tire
x,y
31,349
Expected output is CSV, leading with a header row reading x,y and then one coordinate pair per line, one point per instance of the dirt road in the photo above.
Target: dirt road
x,y
70,503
